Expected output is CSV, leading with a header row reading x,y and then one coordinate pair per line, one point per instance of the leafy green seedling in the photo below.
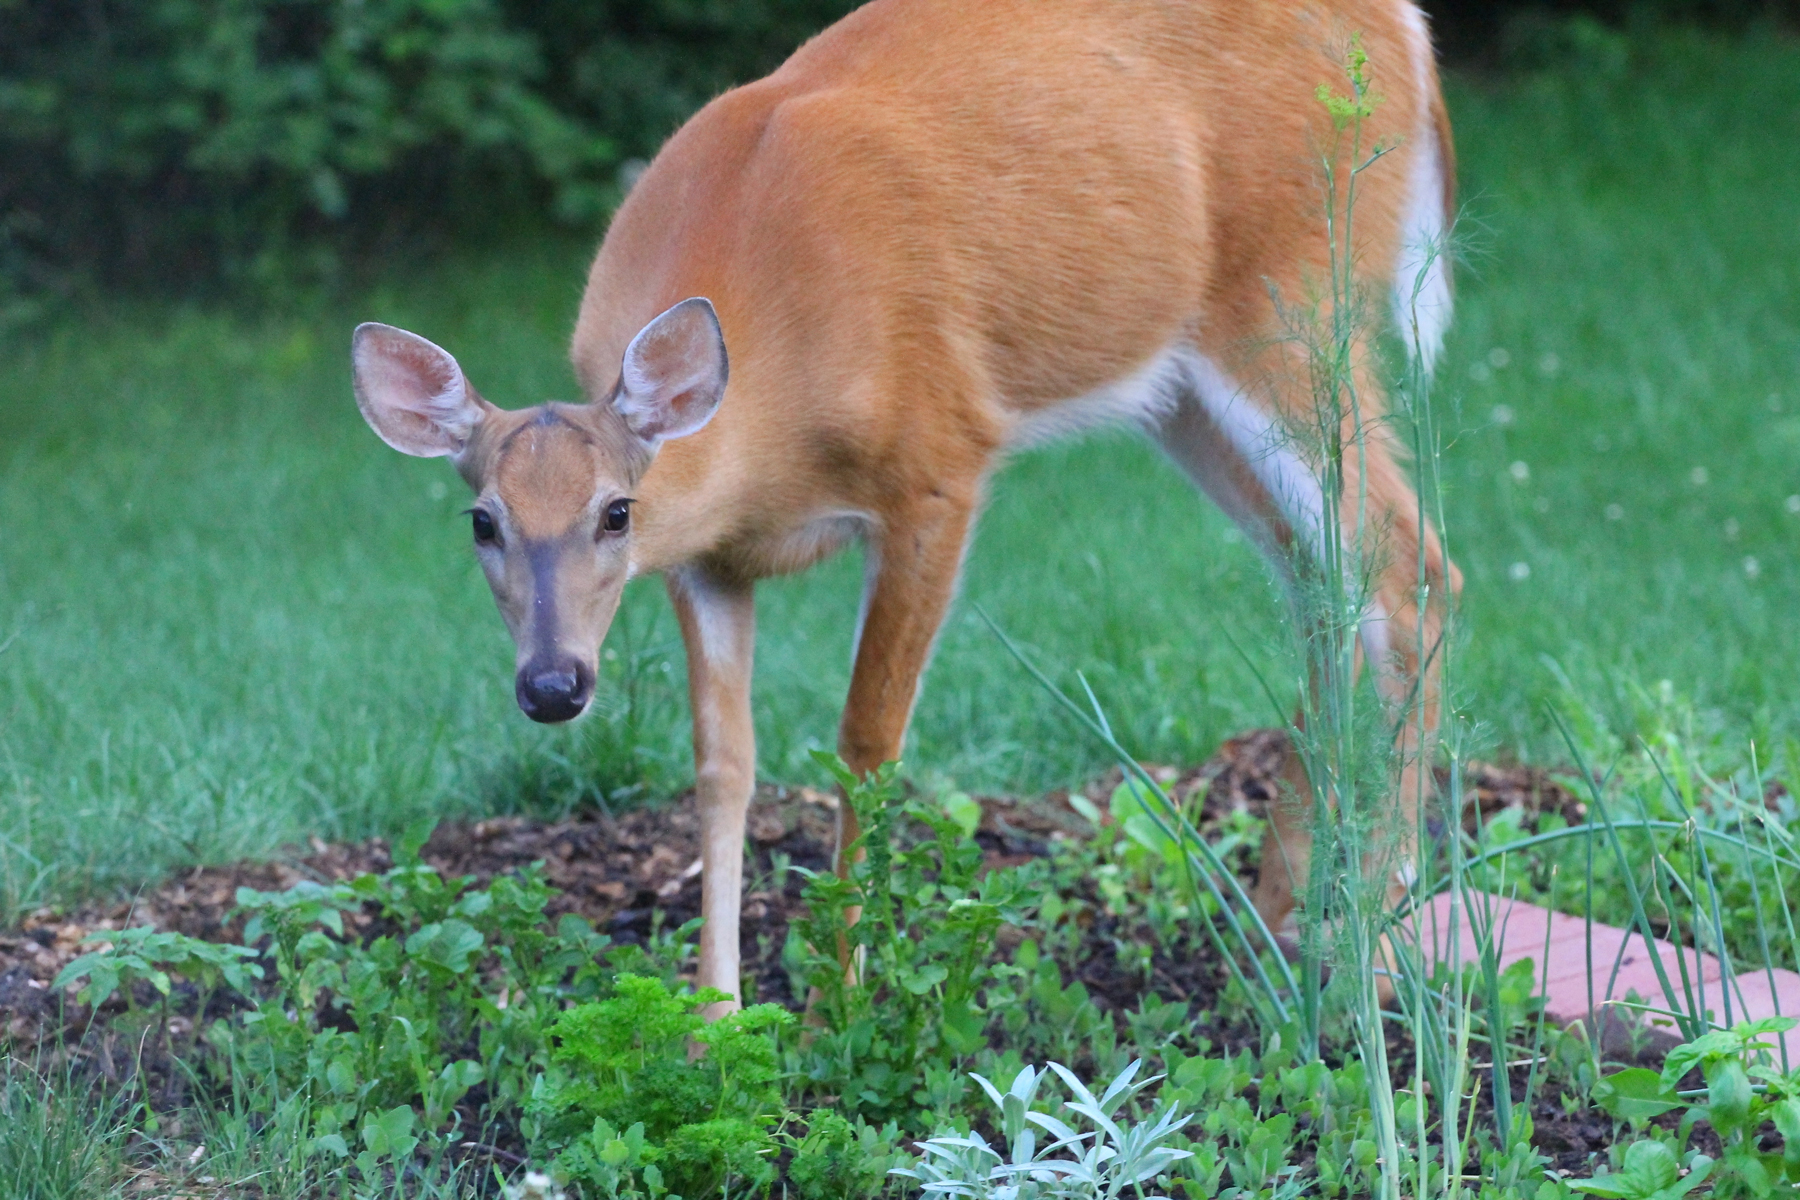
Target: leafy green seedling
x,y
149,954
387,1137
838,1160
964,809
1725,1057
1651,1172
1637,1095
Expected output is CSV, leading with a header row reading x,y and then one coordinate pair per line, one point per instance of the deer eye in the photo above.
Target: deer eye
x,y
618,516
483,524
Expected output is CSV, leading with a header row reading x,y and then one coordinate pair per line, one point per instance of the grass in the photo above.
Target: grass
x,y
234,619
60,1138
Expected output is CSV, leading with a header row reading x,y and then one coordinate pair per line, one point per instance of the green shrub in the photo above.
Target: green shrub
x,y
693,1124
838,1160
924,945
146,132
387,1035
174,138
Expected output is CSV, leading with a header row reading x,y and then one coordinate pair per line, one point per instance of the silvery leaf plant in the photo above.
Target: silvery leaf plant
x,y
1099,1164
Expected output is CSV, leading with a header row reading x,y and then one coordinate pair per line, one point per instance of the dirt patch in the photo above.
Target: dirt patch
x,y
1489,789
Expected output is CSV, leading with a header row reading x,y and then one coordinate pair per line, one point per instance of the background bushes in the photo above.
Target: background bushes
x,y
177,141
174,142
1508,33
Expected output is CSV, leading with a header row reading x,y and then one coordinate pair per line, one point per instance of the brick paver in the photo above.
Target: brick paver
x,y
1568,954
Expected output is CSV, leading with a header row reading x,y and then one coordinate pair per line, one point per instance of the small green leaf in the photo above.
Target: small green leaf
x,y
1637,1095
1786,1115
390,1133
1649,1167
409,843
340,1076
464,1073
925,978
965,810
333,1143
450,944
1719,1043
1728,1094
1085,808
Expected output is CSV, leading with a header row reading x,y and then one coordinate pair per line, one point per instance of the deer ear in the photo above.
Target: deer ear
x,y
412,393
674,373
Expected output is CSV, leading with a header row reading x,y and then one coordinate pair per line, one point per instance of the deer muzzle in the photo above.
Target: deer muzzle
x,y
554,691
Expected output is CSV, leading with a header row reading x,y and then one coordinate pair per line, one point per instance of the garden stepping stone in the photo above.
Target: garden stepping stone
x,y
1578,971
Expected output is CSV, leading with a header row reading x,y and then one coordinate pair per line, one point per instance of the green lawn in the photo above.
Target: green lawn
x,y
233,618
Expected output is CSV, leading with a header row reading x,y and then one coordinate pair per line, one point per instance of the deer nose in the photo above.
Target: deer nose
x,y
554,692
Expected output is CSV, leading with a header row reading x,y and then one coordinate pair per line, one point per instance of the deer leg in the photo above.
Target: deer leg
x,y
1233,451
1400,639
718,626
912,578
1286,856
1237,450
1401,632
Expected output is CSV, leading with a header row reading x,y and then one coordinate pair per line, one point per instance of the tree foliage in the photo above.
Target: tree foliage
x,y
204,137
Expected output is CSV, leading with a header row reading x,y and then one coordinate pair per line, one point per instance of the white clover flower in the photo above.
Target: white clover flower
x,y
535,1186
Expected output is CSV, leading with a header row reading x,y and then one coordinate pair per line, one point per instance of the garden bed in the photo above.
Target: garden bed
x,y
634,876
630,872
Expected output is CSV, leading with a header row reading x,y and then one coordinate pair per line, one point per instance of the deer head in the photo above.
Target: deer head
x,y
553,484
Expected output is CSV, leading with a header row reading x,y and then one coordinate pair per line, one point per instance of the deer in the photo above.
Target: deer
x,y
939,233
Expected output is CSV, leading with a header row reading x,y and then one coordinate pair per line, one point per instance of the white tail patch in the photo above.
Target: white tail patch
x,y
1422,301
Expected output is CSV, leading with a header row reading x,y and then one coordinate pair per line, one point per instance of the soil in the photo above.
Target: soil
x,y
633,872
